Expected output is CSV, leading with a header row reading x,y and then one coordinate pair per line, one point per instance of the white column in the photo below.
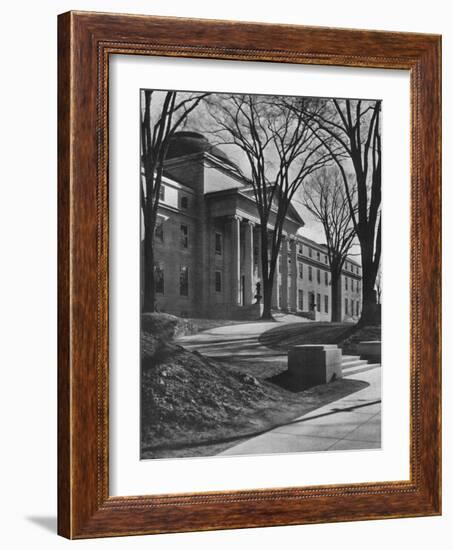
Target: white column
x,y
235,259
248,262
284,274
260,265
295,274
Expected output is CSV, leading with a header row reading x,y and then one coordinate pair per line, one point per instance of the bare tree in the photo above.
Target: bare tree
x,y
354,125
282,152
162,114
325,198
379,286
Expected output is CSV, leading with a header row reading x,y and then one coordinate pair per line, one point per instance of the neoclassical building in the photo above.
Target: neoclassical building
x,y
207,244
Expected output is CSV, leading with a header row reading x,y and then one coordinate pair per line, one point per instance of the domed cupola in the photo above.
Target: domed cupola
x,y
189,143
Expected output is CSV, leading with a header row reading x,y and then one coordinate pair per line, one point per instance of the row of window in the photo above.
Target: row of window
x,y
348,265
218,244
183,233
312,305
159,279
351,267
310,274
349,307
357,284
183,201
311,251
184,236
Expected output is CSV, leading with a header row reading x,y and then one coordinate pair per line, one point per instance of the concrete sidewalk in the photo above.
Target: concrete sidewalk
x,y
353,422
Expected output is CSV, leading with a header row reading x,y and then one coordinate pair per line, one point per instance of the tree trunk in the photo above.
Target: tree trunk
x,y
336,296
149,288
267,300
369,272
369,306
267,280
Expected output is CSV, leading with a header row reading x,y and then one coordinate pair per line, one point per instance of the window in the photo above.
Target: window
x,y
326,278
301,299
352,307
326,259
318,276
326,303
346,306
184,281
159,278
318,302
159,230
184,236
310,273
357,308
301,270
162,192
184,202
346,283
218,281
318,256
346,266
358,286
301,249
310,252
218,244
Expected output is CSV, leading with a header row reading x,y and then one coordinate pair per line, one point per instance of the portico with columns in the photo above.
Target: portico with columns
x,y
234,213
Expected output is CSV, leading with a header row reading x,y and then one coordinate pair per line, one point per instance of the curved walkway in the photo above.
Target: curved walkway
x,y
241,340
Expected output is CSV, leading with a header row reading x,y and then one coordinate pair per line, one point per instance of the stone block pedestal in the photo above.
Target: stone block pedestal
x,y
312,365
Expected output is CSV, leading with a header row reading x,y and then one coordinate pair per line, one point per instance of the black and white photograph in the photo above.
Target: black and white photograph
x,y
261,274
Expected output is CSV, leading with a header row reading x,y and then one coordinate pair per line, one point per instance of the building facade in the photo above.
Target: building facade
x,y
207,245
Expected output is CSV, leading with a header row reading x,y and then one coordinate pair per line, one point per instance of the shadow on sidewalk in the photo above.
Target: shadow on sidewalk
x,y
291,383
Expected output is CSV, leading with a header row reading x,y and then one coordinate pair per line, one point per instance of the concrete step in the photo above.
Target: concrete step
x,y
353,364
350,357
360,369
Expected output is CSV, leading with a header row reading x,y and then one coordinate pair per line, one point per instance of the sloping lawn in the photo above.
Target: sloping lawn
x,y
195,406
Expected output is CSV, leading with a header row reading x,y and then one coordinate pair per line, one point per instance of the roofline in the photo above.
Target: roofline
x,y
323,248
170,180
221,164
239,191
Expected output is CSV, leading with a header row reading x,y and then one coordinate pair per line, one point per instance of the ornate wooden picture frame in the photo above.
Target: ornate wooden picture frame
x,y
85,507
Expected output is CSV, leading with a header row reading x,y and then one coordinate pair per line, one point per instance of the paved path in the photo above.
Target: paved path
x,y
241,340
353,422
